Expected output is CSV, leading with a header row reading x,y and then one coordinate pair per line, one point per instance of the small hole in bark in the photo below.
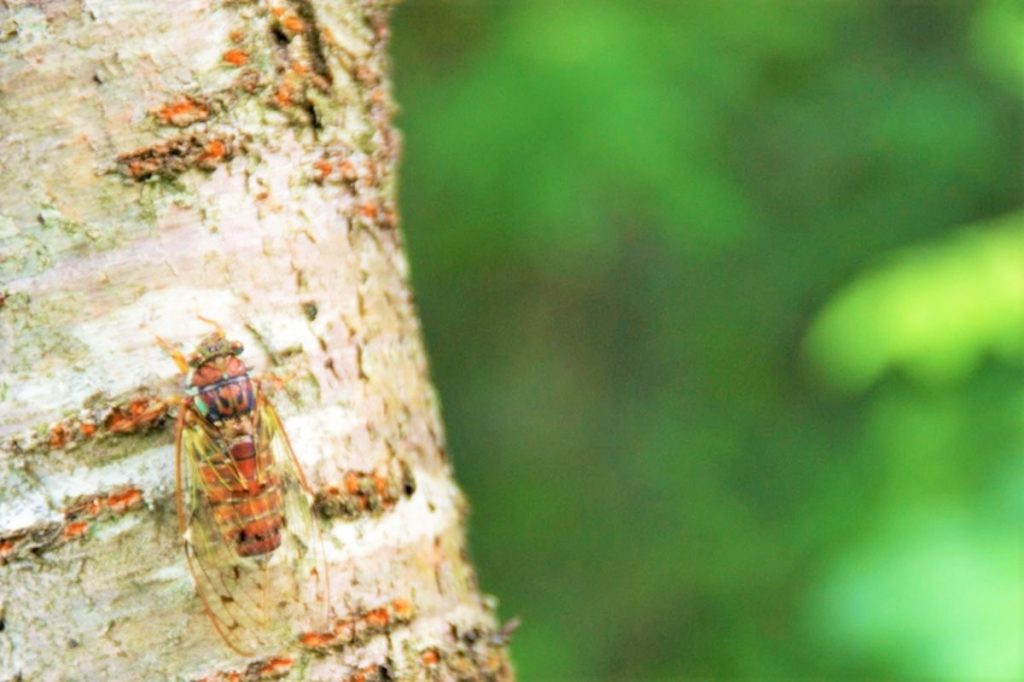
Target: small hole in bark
x,y
280,37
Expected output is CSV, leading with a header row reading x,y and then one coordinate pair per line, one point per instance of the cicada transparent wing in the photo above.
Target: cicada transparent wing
x,y
251,539
303,531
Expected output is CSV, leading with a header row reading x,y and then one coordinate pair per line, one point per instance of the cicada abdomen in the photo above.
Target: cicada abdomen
x,y
244,507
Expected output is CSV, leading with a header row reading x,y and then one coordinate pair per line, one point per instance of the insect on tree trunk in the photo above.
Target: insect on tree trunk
x,y
166,160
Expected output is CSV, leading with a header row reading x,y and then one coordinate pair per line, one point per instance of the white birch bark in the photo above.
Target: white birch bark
x,y
168,159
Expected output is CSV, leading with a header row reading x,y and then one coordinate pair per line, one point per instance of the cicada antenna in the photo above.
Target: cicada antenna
x,y
214,323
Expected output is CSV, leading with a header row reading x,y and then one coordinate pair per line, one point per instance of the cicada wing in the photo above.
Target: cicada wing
x,y
240,595
302,531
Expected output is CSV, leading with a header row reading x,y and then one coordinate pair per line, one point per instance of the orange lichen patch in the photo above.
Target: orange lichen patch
x,y
430,657
12,544
367,492
236,57
235,35
377,618
137,415
316,640
341,165
369,210
293,24
60,435
278,12
276,666
93,506
380,482
323,168
75,529
173,157
402,608
347,170
183,111
213,153
87,428
123,501
283,96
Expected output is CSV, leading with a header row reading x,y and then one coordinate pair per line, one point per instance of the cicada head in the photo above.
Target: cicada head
x,y
213,345
219,381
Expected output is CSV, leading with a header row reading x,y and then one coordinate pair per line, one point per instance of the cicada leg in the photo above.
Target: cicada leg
x,y
173,351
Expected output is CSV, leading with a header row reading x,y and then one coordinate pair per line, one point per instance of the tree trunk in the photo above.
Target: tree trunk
x,y
169,159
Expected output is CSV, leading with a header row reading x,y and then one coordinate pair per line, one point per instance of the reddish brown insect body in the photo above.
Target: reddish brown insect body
x,y
241,486
242,501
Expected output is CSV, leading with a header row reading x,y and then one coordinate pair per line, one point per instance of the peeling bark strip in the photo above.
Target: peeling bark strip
x,y
183,112
475,653
174,157
353,630
366,493
269,669
78,519
123,418
288,238
360,627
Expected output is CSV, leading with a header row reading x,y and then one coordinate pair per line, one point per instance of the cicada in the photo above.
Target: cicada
x,y
244,506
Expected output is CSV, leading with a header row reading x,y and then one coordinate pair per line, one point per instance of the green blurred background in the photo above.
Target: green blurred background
x,y
725,304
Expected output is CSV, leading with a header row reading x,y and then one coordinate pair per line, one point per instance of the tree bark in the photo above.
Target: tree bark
x,y
163,160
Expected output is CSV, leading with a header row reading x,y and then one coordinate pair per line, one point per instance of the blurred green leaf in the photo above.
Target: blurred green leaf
x,y
933,311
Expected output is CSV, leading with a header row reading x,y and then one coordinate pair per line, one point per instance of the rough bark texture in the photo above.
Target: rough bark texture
x,y
165,159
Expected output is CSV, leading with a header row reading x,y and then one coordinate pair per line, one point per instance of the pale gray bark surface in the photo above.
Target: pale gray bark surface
x,y
168,159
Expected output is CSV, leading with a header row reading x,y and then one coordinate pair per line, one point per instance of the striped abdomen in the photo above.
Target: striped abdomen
x,y
245,498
